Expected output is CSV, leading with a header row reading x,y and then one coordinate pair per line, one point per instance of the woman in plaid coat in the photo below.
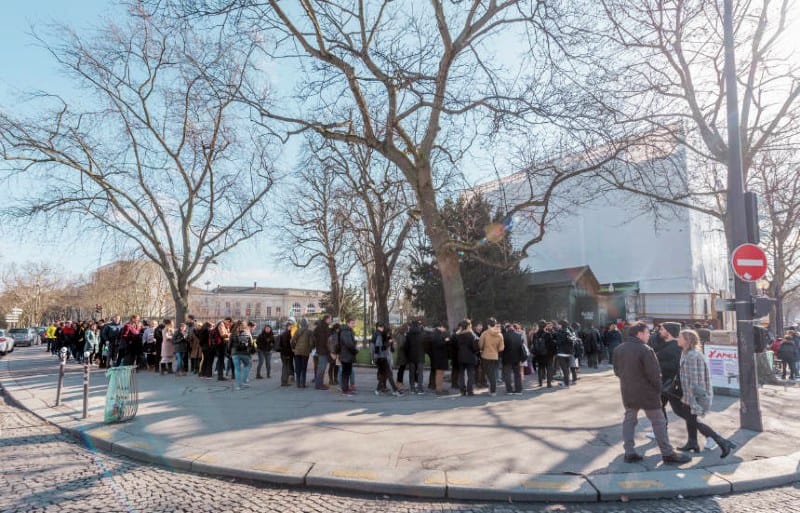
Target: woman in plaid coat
x,y
696,394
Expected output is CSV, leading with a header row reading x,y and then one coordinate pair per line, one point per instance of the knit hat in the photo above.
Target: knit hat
x,y
674,328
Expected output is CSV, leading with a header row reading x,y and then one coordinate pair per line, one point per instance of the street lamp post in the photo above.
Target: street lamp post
x,y
364,287
749,410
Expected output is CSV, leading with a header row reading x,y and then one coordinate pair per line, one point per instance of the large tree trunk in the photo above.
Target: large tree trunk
x,y
446,258
180,295
337,294
381,284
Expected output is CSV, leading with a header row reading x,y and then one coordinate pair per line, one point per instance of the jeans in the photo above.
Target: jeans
x,y
180,357
286,369
563,364
322,364
544,369
241,363
511,372
467,385
415,375
347,371
333,372
385,373
352,376
264,358
657,420
300,369
490,370
219,352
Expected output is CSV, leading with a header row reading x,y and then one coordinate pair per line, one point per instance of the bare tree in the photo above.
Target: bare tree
x,y
777,178
128,287
159,155
316,214
34,288
380,216
419,86
671,78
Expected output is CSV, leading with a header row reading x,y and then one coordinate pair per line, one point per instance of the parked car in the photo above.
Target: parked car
x,y
6,343
25,336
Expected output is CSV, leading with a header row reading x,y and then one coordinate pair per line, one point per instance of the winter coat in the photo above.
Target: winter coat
x,y
302,342
167,347
787,352
565,344
636,366
415,351
180,342
285,345
612,339
439,350
513,353
696,382
266,341
241,343
379,345
194,342
347,344
468,349
321,333
92,341
669,360
491,344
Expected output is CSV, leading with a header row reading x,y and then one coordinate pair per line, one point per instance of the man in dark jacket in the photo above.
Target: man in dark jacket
x,y
669,361
347,354
321,332
544,351
285,349
636,366
611,340
415,357
467,349
513,355
566,350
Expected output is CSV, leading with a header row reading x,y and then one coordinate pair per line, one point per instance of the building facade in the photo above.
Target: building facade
x,y
657,263
256,303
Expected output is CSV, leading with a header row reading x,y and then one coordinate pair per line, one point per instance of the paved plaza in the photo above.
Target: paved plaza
x,y
548,444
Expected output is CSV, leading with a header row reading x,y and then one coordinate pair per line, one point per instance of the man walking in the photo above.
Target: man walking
x,y
636,366
321,333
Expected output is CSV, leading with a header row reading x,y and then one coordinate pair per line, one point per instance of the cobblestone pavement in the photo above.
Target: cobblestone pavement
x,y
42,469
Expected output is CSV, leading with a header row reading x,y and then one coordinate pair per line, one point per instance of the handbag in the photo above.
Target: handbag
x,y
672,388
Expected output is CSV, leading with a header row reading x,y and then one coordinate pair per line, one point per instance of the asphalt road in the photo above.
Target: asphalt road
x,y
43,470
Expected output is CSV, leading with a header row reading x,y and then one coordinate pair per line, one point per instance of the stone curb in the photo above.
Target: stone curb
x,y
412,482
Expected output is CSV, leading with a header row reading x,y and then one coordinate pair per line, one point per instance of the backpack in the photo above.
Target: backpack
x,y
214,337
539,346
244,343
158,334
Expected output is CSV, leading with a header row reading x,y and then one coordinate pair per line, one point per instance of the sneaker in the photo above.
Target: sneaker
x,y
237,388
650,435
377,392
420,392
676,459
633,458
397,393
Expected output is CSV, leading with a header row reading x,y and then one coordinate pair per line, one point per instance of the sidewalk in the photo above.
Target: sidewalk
x,y
546,445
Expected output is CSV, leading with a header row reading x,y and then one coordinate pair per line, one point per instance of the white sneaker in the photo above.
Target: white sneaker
x,y
710,444
397,393
650,435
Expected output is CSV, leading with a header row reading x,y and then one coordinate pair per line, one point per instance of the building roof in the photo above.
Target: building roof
x,y
258,291
566,276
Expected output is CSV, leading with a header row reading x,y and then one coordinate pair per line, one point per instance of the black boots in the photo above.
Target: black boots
x,y
691,446
725,446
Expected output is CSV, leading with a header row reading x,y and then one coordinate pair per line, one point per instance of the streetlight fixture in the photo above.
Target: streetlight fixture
x,y
364,289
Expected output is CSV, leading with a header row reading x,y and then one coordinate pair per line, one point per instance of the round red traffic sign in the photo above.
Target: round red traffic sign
x,y
749,262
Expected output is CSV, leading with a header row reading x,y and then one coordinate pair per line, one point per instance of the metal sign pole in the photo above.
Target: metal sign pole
x,y
61,370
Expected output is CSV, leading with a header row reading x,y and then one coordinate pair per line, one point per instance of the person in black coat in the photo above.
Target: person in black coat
x,y
669,361
513,355
612,339
415,356
440,342
467,346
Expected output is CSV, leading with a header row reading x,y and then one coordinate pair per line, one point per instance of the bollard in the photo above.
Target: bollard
x,y
86,384
61,370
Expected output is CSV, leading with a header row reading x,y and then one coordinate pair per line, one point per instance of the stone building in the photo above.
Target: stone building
x,y
256,303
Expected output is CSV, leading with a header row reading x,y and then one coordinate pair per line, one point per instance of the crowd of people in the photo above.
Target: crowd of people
x,y
665,366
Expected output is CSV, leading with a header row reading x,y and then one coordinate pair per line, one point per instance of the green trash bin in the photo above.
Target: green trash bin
x,y
122,398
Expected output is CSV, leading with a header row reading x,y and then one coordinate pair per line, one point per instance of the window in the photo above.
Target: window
x,y
269,311
311,308
277,311
248,309
217,310
237,309
258,310
296,309
227,307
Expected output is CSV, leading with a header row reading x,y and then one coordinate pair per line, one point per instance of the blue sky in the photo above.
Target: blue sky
x,y
27,67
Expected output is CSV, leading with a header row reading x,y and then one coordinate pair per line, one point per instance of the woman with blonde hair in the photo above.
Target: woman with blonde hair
x,y
696,394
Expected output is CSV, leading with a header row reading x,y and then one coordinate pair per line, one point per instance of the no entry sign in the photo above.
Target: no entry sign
x,y
749,262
